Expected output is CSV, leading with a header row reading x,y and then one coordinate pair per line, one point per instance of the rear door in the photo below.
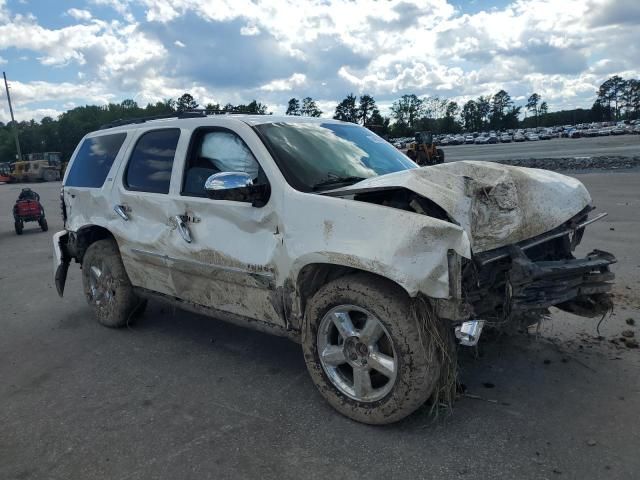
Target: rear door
x,y
141,207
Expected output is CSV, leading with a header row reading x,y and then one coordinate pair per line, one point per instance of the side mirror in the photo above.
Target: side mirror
x,y
236,186
225,181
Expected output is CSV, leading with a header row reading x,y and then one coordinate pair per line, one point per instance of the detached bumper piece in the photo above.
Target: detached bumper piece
x,y
578,285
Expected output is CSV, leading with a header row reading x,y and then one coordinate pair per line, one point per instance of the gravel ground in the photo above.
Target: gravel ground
x,y
181,396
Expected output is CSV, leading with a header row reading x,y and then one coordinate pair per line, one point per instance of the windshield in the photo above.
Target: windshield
x,y
315,156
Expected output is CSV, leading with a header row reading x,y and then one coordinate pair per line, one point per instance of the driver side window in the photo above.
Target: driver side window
x,y
215,151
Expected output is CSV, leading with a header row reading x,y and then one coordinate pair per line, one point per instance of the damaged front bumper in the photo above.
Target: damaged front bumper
x,y
521,282
577,285
521,288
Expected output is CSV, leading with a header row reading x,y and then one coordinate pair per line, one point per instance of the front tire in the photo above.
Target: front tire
x,y
106,285
365,351
440,155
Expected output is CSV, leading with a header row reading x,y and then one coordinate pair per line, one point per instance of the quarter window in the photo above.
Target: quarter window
x,y
94,159
149,168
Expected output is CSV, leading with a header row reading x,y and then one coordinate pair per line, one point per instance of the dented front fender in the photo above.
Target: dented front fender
x,y
407,248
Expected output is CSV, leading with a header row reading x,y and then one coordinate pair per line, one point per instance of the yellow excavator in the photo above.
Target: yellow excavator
x,y
423,150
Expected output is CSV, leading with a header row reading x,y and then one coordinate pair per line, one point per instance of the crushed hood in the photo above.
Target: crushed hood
x,y
496,204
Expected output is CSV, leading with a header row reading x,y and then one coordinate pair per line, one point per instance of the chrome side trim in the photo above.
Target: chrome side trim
x,y
149,254
202,264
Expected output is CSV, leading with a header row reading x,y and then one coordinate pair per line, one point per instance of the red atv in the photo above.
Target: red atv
x,y
28,209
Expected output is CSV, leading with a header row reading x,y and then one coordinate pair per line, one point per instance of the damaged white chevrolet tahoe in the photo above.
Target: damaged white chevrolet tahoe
x,y
323,232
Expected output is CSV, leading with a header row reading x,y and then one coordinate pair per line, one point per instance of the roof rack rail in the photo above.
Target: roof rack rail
x,y
195,113
129,121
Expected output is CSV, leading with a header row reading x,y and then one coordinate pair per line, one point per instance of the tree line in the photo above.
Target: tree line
x,y
617,98
64,133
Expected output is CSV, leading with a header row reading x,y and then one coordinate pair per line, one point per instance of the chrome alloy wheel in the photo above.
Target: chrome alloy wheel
x,y
101,284
356,353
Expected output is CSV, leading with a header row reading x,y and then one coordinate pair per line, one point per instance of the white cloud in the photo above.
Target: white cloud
x,y
285,84
79,14
120,6
38,91
107,49
249,30
327,49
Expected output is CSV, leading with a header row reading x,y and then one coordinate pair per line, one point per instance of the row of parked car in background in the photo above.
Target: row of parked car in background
x,y
532,134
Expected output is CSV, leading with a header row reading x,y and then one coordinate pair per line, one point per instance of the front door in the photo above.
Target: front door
x,y
222,254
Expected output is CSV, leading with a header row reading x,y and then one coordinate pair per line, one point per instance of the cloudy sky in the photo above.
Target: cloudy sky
x,y
63,53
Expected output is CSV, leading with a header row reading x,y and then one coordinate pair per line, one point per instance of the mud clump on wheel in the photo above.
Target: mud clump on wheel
x,y
416,351
107,286
439,335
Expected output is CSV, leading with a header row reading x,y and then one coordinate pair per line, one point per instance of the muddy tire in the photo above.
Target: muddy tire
x,y
107,286
43,224
440,155
365,352
18,225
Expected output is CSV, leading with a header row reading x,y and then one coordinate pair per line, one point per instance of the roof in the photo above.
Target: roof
x,y
261,119
201,116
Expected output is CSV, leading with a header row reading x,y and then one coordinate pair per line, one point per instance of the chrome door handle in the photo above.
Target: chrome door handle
x,y
121,210
182,228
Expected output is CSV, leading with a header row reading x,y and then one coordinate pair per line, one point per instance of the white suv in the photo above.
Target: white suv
x,y
323,232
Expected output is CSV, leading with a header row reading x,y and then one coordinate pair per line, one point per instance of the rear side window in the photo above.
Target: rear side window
x,y
149,168
94,159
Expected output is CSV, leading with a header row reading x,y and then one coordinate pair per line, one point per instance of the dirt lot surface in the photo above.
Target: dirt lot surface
x,y
623,145
179,396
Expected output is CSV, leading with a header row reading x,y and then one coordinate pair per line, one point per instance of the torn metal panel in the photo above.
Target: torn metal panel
x,y
61,260
497,205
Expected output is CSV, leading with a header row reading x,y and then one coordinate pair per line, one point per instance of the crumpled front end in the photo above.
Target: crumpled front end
x,y
523,225
497,205
524,279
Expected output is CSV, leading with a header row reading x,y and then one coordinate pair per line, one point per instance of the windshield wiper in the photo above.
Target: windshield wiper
x,y
329,182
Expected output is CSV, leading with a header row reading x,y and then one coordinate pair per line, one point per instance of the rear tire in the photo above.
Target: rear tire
x,y
411,367
440,155
106,285
19,226
43,224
